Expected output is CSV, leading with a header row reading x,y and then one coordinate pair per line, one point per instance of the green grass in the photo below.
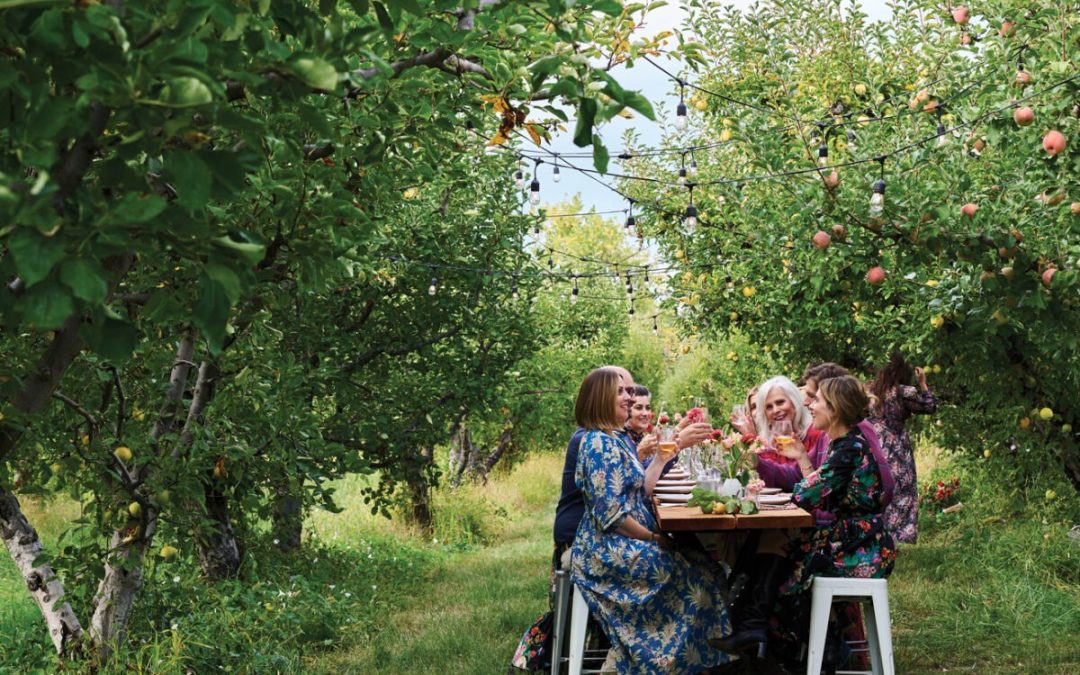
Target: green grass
x,y
992,589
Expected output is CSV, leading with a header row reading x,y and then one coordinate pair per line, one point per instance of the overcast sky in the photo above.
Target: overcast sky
x,y
657,87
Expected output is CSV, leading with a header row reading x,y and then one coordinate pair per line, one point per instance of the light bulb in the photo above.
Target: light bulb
x,y
534,192
630,221
573,296
943,135
515,294
682,173
519,179
823,156
433,287
877,200
555,175
691,217
693,167
680,115
631,312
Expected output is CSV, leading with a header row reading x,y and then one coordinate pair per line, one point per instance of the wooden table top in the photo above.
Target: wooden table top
x,y
691,519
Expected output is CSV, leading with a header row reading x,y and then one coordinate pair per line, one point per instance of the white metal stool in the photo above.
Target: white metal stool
x,y
569,649
873,594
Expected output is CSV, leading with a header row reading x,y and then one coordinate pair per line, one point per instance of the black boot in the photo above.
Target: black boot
x,y
751,615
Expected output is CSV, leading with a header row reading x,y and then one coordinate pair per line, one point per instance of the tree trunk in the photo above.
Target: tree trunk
x,y
123,578
24,546
506,442
461,455
420,497
287,518
218,548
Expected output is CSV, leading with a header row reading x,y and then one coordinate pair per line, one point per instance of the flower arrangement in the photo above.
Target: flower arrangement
x,y
738,458
942,496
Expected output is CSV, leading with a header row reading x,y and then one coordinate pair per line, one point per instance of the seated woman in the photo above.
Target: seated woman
x,y
657,608
640,423
744,423
779,399
848,485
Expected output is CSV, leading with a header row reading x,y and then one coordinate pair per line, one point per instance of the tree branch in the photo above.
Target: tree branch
x,y
74,405
398,350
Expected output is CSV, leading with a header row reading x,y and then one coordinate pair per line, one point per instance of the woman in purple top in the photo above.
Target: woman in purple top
x,y
896,401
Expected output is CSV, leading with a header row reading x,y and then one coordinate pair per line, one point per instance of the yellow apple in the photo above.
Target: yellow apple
x,y
123,453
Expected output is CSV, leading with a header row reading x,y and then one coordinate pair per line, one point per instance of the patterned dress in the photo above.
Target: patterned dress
x,y
657,607
889,418
856,544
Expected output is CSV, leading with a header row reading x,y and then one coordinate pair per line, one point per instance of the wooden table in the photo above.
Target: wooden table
x,y
691,519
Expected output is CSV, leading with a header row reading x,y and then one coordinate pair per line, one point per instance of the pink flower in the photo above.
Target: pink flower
x,y
695,415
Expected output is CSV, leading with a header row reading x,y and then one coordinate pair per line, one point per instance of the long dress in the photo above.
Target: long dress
x,y
854,543
889,418
657,607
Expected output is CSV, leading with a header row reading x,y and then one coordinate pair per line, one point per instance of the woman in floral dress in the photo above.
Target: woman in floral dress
x,y
896,402
657,607
848,485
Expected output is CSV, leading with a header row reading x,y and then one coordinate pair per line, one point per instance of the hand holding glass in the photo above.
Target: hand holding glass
x,y
668,443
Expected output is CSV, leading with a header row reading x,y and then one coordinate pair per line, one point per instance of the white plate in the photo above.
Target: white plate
x,y
674,497
676,489
774,500
676,473
664,481
770,491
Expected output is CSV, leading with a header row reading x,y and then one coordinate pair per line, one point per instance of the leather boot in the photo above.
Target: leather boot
x,y
751,616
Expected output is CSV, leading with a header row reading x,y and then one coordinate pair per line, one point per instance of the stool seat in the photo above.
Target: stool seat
x,y
569,603
873,594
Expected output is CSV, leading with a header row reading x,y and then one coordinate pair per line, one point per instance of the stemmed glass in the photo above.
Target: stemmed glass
x,y
782,433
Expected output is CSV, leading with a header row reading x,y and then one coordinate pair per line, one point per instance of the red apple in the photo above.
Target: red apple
x,y
1023,78
838,231
1053,142
1074,208
1048,276
965,38
969,209
1007,28
875,276
822,240
832,180
1023,116
1016,234
960,15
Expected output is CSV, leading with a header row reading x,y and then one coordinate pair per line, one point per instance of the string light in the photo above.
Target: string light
x,y
574,292
680,110
534,186
655,328
514,293
877,199
942,133
690,218
693,165
519,177
631,310
431,290
555,176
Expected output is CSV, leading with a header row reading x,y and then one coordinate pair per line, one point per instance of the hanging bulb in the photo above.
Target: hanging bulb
x,y
680,116
630,221
534,192
943,135
851,140
693,167
574,293
631,312
877,200
691,217
682,173
655,328
514,294
555,175
433,287
519,179
823,155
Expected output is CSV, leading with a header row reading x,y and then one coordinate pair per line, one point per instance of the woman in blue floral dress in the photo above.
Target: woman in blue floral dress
x,y
657,607
848,485
898,401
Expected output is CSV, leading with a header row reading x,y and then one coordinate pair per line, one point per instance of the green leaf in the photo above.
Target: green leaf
x,y
411,6
226,278
316,73
46,306
85,279
634,100
600,154
384,17
35,255
112,338
136,208
542,69
586,114
245,247
211,312
190,177
609,7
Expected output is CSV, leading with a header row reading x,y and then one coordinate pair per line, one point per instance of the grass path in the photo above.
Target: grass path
x,y
469,616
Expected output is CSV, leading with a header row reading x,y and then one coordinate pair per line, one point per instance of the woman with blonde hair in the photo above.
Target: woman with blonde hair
x,y
657,607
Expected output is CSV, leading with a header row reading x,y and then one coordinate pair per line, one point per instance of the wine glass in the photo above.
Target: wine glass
x,y
666,442
782,433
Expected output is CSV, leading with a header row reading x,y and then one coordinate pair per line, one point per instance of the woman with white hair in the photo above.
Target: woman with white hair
x,y
778,399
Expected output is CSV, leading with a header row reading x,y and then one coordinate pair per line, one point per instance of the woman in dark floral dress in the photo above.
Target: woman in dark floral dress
x,y
847,485
896,402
